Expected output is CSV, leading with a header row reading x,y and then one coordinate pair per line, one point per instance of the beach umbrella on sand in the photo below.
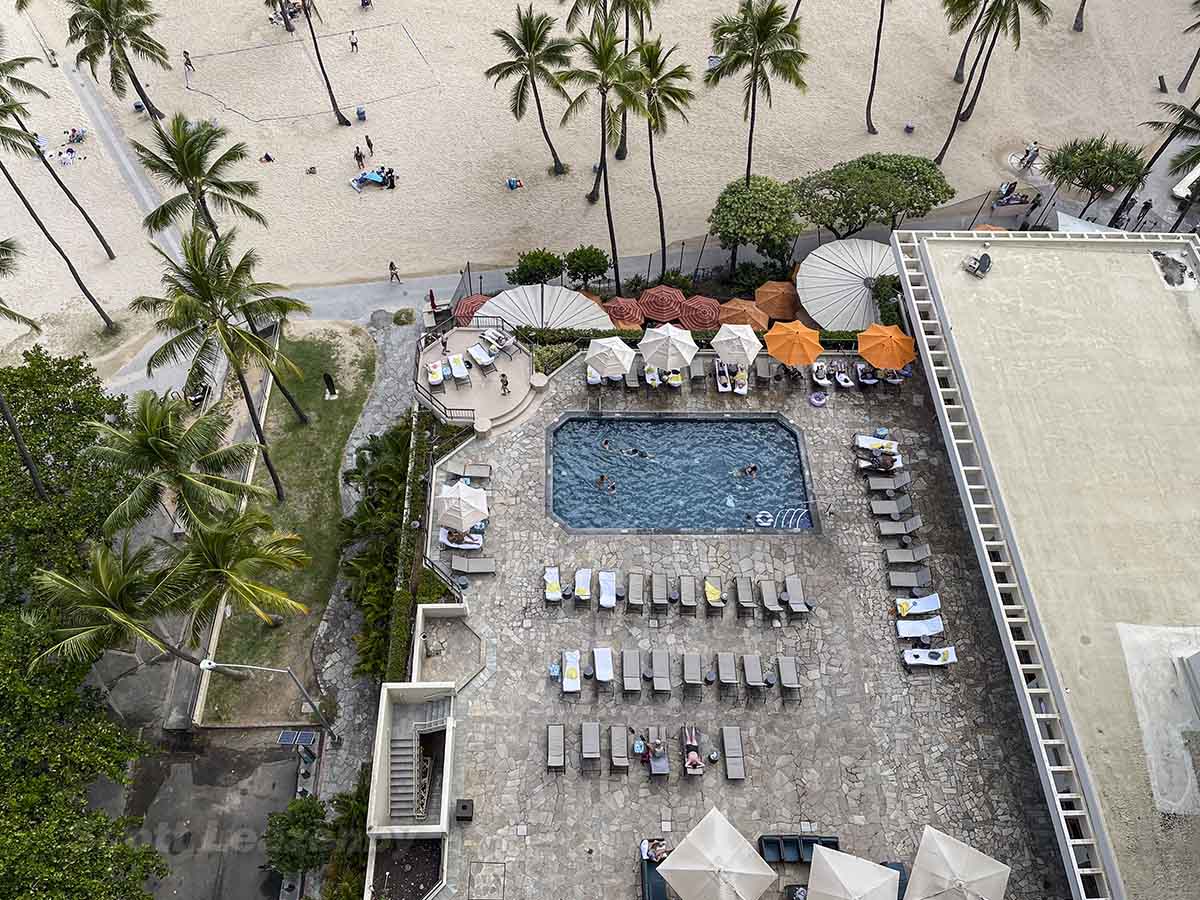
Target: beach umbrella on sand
x,y
624,313
886,346
737,344
744,312
835,282
948,869
461,506
794,344
700,313
714,862
840,876
465,309
661,303
667,347
777,299
610,356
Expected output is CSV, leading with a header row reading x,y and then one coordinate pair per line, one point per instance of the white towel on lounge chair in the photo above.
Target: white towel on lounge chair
x,y
570,672
583,584
867,442
553,585
940,657
916,628
608,589
480,355
603,661
593,377
918,606
458,368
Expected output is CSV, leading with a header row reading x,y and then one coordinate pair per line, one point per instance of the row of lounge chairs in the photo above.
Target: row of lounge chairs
x,y
690,594
695,674
590,754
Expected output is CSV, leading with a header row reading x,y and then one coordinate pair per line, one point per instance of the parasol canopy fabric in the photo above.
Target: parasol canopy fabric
x,y
465,309
737,344
624,312
840,876
744,312
661,303
700,313
835,282
794,344
545,306
667,347
462,506
948,869
777,299
610,356
886,347
714,862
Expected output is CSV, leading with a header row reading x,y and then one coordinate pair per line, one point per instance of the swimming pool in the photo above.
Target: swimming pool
x,y
677,473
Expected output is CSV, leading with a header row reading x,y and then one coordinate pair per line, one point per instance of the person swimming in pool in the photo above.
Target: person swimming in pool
x,y
601,481
606,444
612,487
751,470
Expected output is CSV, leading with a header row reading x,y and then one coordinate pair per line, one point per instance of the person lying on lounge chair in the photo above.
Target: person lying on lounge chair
x,y
691,749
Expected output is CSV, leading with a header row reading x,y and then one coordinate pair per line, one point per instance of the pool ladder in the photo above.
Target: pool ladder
x,y
791,517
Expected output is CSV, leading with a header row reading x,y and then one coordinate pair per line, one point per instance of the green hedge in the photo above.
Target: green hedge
x,y
886,292
548,357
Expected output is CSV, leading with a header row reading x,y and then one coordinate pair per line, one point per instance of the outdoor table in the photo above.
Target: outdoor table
x,y
771,679
567,591
620,592
710,677
920,591
647,675
462,582
588,671
673,596
906,539
895,517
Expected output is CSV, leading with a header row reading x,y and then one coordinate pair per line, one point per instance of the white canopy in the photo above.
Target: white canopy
x,y
610,356
835,281
667,347
948,869
462,506
714,862
544,306
840,876
737,344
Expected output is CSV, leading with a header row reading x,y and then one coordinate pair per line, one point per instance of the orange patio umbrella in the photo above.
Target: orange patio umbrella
x,y
744,312
794,344
777,299
886,346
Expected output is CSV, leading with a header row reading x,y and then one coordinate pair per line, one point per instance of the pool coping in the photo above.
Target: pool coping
x,y
801,444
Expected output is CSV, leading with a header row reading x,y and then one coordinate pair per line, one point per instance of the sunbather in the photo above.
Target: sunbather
x,y
691,748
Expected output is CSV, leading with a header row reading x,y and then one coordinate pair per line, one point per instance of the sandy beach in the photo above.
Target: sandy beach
x,y
449,135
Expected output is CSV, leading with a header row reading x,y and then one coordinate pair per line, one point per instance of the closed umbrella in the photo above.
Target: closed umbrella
x,y
700,313
667,347
462,506
610,356
794,344
777,299
737,344
948,869
714,862
624,313
840,876
661,303
886,346
744,312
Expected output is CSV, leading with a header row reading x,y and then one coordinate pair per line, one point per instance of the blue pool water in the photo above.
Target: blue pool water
x,y
690,480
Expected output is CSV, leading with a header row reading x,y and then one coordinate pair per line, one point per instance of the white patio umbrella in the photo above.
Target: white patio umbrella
x,y
714,862
835,282
462,506
667,347
737,344
543,306
948,869
610,356
840,876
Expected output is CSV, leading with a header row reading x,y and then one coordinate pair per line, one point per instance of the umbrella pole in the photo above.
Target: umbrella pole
x,y
699,257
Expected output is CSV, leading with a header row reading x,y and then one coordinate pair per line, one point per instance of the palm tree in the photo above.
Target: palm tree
x,y
795,11
309,8
1094,166
205,296
665,89
607,72
534,55
280,6
638,12
185,461
20,143
1183,118
959,13
1078,26
116,30
875,67
1192,197
1185,122
761,42
8,264
12,88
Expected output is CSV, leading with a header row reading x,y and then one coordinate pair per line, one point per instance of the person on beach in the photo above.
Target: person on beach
x,y
503,385
358,156
353,42
393,273
370,146
188,69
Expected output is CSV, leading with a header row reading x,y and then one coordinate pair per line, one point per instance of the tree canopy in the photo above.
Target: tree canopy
x,y
761,213
298,839
1095,166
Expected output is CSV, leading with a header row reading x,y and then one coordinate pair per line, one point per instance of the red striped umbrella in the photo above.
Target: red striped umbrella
x,y
700,313
661,303
624,312
466,308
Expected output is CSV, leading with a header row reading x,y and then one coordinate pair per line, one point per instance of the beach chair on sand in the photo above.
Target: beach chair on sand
x,y
553,585
902,555
745,597
658,593
631,672
919,628
660,668
583,586
901,504
556,750
918,606
789,678
687,595
894,529
713,595
635,600
918,578
618,743
608,590
943,656
735,762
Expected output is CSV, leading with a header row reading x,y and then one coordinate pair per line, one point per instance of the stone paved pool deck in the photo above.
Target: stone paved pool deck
x,y
871,754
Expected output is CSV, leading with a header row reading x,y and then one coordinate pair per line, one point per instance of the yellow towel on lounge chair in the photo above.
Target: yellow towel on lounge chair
x,y
711,592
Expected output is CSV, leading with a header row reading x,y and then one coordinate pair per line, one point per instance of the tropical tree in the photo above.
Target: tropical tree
x,y
117,30
1186,206
181,158
298,839
280,6
309,8
183,467
761,42
20,143
607,72
959,13
13,88
761,213
205,296
534,55
1184,120
875,67
638,13
666,92
8,264
1078,26
1094,166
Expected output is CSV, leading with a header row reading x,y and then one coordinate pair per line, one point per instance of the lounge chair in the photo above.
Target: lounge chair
x,y
770,848
660,667
713,595
917,578
893,529
762,370
571,676
659,765
735,762
589,757
770,597
592,378
618,747
940,657
658,593
602,662
654,886
692,676
687,595
889,482
901,504
870,442
726,672
790,844
635,595
631,672
473,565
808,842
865,374
820,375
482,358
608,590
794,589
692,732
918,606
583,586
631,377
752,666
841,376
745,597
900,556
553,585
919,628
556,749
789,677
874,465
697,375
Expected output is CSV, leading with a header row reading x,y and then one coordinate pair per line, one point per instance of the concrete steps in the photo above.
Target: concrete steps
x,y
402,777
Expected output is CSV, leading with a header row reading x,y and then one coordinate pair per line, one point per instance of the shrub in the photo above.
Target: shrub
x,y
345,875
548,357
578,336
762,214
886,292
536,267
585,264
676,279
749,276
296,839
634,285
404,316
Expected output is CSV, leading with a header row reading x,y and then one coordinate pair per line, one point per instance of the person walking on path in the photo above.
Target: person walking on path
x,y
503,385
358,156
393,273
353,42
445,345
370,146
1141,217
188,70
